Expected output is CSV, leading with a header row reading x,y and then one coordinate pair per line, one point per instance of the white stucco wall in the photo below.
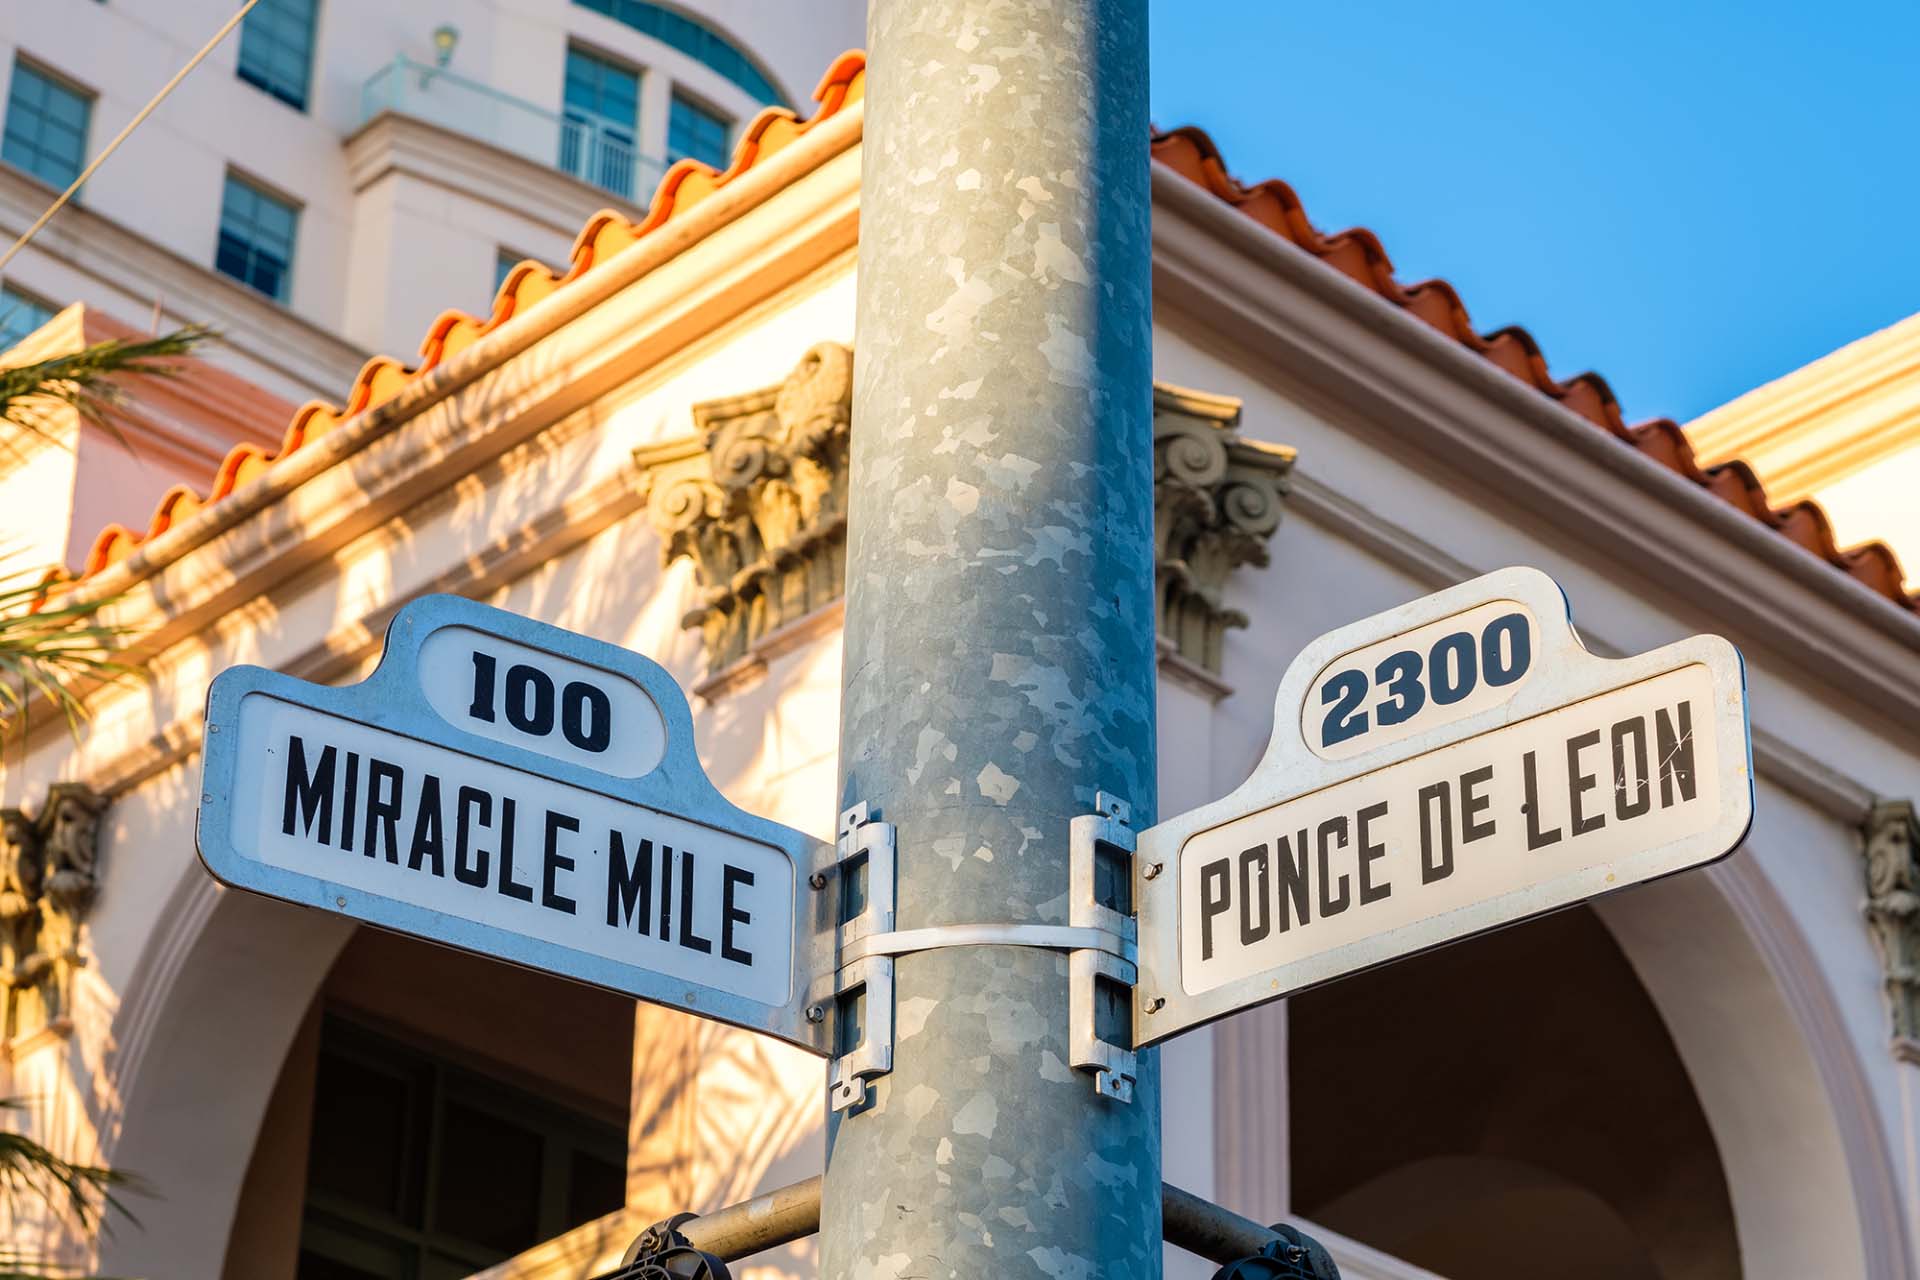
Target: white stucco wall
x,y
1762,967
357,272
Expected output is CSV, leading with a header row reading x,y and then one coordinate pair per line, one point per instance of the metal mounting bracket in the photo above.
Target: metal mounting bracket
x,y
853,987
856,944
1101,846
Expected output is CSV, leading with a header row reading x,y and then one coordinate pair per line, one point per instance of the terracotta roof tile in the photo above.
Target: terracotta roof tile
x,y
1188,151
606,235
1358,255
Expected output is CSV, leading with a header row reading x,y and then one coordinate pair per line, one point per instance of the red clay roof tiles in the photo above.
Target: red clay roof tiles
x,y
1187,151
606,235
1357,254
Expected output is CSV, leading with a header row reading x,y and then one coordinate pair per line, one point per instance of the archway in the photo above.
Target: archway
x,y
234,991
1765,1047
199,1040
1507,1108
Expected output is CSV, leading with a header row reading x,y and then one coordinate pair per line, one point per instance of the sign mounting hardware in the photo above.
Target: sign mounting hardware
x,y
516,790
852,992
1448,767
1100,999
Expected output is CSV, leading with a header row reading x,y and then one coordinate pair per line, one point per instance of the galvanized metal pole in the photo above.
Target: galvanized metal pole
x,y
999,626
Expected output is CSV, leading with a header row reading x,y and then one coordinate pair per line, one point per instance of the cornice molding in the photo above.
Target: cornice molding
x,y
1825,421
1305,324
395,143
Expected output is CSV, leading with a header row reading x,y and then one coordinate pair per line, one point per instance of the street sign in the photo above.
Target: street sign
x,y
516,790
1445,768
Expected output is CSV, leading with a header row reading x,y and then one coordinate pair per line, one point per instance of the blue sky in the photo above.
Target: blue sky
x,y
1688,198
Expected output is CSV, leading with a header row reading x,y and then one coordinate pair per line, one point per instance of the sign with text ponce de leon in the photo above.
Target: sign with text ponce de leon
x,y
1457,764
516,790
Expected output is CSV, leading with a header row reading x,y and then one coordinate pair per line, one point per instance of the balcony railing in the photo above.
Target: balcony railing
x,y
587,149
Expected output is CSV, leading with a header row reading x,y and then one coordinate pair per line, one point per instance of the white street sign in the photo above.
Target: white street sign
x,y
520,791
1439,770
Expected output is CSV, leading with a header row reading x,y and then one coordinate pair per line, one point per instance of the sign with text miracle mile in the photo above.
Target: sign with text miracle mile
x,y
1445,768
516,790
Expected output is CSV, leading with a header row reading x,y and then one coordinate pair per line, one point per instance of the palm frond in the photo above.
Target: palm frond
x,y
84,380
47,650
85,1191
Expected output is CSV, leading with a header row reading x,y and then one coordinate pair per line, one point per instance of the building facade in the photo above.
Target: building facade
x,y
1840,431
643,437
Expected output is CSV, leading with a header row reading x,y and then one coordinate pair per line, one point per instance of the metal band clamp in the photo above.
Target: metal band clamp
x,y
1049,937
854,964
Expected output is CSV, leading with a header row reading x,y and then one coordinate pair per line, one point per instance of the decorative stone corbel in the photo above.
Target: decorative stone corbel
x,y
1216,501
760,506
48,880
758,502
1892,837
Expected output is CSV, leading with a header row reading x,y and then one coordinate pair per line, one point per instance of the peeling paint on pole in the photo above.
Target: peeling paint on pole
x,y
999,626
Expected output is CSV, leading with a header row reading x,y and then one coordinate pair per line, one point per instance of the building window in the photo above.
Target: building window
x,y
276,49
20,314
690,38
695,133
422,1169
256,238
46,126
602,117
503,264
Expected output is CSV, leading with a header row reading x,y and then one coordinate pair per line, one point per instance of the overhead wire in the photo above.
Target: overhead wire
x,y
121,137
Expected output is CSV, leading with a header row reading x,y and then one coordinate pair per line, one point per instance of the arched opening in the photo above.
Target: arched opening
x,y
1507,1108
437,1113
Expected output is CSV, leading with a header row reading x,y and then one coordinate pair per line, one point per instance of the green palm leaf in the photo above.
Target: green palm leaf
x,y
84,380
84,1191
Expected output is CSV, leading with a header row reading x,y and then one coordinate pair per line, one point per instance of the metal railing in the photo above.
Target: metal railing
x,y
588,149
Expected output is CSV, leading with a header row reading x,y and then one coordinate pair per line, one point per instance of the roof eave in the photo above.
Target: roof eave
x,y
1284,306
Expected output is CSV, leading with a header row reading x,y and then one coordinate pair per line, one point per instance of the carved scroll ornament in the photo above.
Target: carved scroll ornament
x,y
1892,836
1216,502
758,503
48,880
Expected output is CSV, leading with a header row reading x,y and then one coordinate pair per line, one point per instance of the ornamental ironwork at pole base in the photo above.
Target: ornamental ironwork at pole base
x,y
48,881
663,1253
757,501
1294,1256
1891,835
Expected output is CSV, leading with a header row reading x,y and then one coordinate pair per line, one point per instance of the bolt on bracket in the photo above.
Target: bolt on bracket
x,y
853,994
1101,848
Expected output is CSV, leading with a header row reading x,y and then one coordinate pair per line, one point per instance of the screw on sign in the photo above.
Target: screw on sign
x,y
1294,1256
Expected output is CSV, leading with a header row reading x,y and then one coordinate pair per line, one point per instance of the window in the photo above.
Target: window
x,y
601,106
276,49
695,133
503,263
424,1170
256,238
20,314
690,38
46,126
